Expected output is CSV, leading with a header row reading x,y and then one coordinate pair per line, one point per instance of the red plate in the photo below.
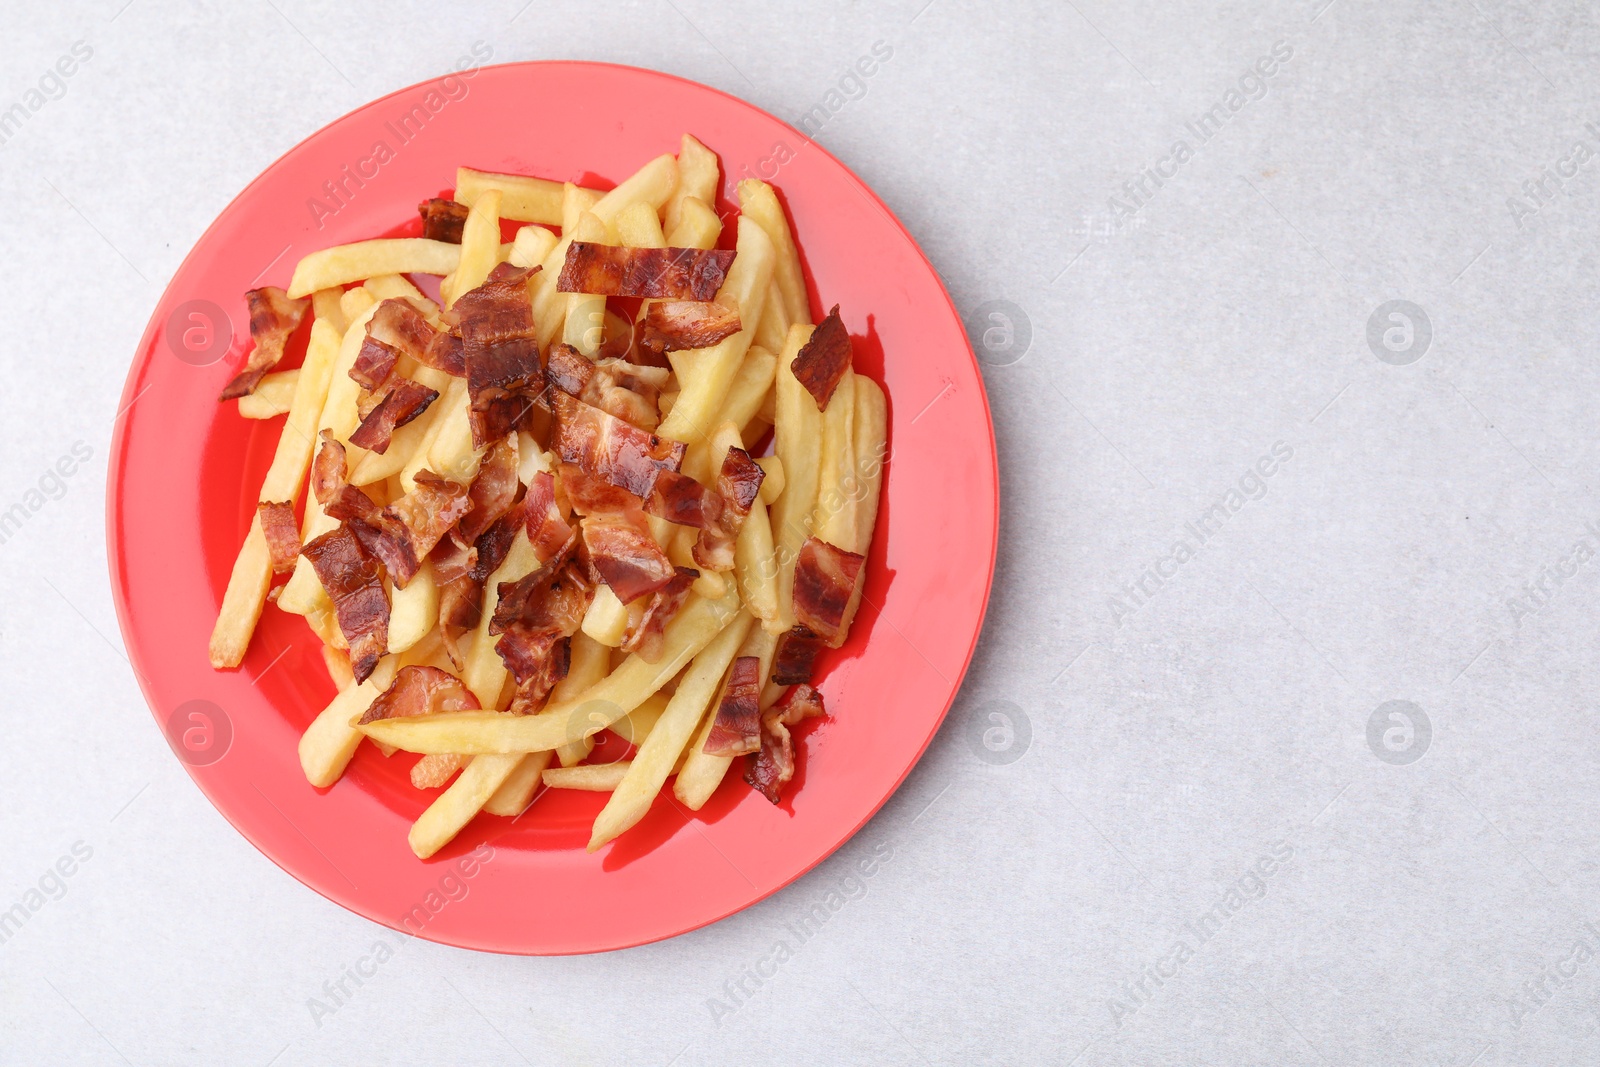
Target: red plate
x,y
185,470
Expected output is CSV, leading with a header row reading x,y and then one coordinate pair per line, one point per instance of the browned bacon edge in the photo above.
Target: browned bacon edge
x,y
738,483
352,577
736,730
373,364
770,769
420,690
624,390
442,219
402,402
603,445
822,361
648,637
824,579
671,325
796,656
398,324
282,534
655,273
273,318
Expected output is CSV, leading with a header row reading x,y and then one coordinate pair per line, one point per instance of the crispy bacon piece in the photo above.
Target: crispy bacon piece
x,y
273,318
679,498
656,273
736,731
419,690
624,554
535,616
770,769
823,360
619,388
738,483
442,219
648,636
824,579
606,446
402,401
500,349
282,534
796,655
493,491
671,325
352,577
461,573
373,365
338,497
546,528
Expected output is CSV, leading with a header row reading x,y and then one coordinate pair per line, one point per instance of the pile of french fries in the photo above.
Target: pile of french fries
x,y
822,479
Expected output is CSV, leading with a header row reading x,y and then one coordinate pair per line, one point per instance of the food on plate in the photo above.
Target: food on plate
x,y
536,507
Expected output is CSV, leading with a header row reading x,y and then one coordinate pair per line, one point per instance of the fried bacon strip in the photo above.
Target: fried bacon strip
x,y
398,324
619,388
649,635
796,656
823,360
610,448
352,577
273,318
282,534
461,573
374,363
824,578
442,220
616,536
420,690
737,485
535,618
681,499
770,769
656,273
402,401
500,350
736,731
671,325
547,530
493,491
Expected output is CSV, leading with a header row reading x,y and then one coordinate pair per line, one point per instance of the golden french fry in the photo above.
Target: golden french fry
x,y
606,621
595,777
451,409
330,740
584,326
396,287
343,264
575,200
702,772
588,662
834,517
698,176
753,381
773,328
799,446
480,247
325,306
456,806
638,227
758,201
635,726
432,771
338,665
871,451
413,610
697,227
533,243
516,792
521,197
772,484
660,751
407,439
273,395
652,184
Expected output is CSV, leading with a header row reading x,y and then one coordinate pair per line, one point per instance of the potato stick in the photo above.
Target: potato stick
x,y
394,287
252,571
753,381
659,754
871,450
834,517
338,665
799,446
533,243
635,726
430,772
638,227
772,484
584,326
606,621
330,740
702,773
343,264
354,302
522,198
503,254
326,626
589,662
456,806
549,305
273,395
774,325
325,306
625,688
480,247
758,202
755,563
698,176
485,672
451,405
452,455
697,227
595,777
575,200
516,792
414,610
652,183
666,400
705,374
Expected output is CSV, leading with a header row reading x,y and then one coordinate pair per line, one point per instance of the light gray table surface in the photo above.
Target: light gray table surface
x,y
1211,839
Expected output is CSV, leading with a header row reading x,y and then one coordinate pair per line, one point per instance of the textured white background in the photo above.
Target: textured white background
x,y
1224,719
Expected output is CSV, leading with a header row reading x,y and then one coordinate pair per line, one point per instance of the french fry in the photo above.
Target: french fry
x,y
698,177
638,227
606,621
758,202
354,302
702,772
480,247
635,726
773,328
395,287
871,451
456,806
834,517
656,757
697,227
406,440
652,184
595,777
521,197
754,568
252,571
451,409
584,326
430,772
589,662
325,306
414,610
330,740
485,672
625,688
533,243
273,395
338,665
343,264
753,382
575,200
799,446
451,454
705,374
516,792
772,484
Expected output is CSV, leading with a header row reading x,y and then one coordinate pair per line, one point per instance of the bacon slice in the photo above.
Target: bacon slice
x,y
352,577
535,617
656,273
419,690
398,324
824,579
648,637
338,497
493,491
373,365
606,446
822,361
403,400
671,325
770,769
282,534
273,318
681,499
442,220
738,483
736,731
617,540
546,528
796,656
500,349
619,388
461,574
